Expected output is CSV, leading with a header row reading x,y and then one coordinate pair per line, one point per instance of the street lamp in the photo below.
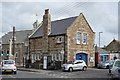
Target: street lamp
x,y
99,38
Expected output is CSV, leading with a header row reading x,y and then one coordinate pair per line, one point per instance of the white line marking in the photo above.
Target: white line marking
x,y
11,76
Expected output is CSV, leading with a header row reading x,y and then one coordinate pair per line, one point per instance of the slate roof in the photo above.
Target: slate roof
x,y
113,46
57,27
100,50
21,36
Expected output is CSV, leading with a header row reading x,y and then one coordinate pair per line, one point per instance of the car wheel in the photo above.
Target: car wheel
x,y
15,72
84,68
107,66
70,69
98,67
62,70
3,72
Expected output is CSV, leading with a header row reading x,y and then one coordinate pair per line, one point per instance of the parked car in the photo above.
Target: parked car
x,y
8,66
115,69
76,65
105,64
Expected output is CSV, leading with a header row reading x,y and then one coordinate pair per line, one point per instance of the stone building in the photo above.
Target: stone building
x,y
114,49
63,40
21,46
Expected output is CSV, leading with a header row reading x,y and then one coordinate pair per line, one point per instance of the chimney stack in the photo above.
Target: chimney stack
x,y
47,23
46,29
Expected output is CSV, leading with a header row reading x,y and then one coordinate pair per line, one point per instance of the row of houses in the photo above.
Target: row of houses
x,y
57,41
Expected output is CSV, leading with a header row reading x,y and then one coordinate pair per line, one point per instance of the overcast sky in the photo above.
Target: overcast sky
x,y
102,16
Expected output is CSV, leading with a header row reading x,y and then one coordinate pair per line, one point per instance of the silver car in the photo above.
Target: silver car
x,y
8,66
115,69
105,64
76,65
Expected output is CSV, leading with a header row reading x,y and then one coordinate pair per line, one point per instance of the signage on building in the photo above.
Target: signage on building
x,y
91,59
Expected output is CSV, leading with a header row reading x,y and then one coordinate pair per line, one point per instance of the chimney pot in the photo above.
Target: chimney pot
x,y
47,11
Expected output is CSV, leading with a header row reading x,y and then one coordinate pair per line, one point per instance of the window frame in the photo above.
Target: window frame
x,y
78,38
59,40
84,37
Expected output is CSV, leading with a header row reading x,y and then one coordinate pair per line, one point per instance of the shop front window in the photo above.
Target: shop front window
x,y
101,58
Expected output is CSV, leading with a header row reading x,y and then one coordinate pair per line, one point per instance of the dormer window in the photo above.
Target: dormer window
x,y
59,40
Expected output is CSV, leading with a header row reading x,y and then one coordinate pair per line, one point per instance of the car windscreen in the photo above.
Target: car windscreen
x,y
8,62
117,64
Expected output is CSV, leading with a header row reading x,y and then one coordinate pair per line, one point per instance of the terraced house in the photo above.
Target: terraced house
x,y
62,40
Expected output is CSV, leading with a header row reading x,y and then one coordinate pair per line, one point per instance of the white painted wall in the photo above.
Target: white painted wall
x,y
112,55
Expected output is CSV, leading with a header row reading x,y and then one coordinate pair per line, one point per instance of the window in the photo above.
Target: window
x,y
8,62
59,40
32,58
84,38
56,56
117,63
53,57
60,57
101,58
78,36
16,55
8,52
16,46
37,56
40,56
2,53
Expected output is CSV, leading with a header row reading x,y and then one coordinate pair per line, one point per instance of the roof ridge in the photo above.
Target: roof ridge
x,y
15,31
64,18
23,30
18,31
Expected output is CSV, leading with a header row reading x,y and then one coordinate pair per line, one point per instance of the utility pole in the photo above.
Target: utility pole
x,y
99,38
13,41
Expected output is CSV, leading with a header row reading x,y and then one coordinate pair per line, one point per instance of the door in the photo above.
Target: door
x,y
77,65
81,56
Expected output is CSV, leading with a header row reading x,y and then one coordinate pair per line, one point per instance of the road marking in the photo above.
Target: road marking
x,y
57,76
11,76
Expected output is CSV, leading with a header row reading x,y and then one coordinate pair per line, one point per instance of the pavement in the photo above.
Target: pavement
x,y
35,70
42,70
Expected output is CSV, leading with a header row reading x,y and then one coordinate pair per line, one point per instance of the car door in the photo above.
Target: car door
x,y
75,65
80,65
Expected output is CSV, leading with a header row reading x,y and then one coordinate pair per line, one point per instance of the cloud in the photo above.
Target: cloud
x,y
101,16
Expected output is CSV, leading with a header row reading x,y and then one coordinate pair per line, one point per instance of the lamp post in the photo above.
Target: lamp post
x,y
99,38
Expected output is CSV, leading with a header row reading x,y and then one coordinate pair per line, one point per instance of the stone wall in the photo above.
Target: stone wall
x,y
80,25
21,52
68,44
